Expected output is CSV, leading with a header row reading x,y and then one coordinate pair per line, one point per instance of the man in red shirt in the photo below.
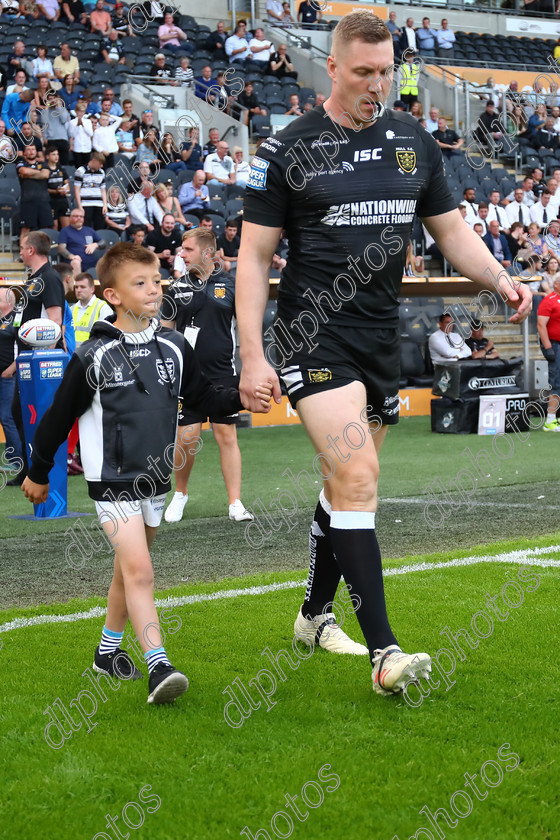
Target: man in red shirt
x,y
548,326
100,20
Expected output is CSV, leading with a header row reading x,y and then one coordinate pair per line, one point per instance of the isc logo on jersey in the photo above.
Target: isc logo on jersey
x,y
363,155
257,175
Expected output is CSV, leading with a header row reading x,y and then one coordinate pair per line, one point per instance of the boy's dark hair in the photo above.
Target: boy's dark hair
x,y
123,252
50,147
232,222
135,228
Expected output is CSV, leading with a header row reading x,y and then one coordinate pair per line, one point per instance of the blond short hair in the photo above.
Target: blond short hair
x,y
359,26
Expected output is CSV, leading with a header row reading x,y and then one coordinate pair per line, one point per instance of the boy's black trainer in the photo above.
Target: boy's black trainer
x,y
117,664
166,683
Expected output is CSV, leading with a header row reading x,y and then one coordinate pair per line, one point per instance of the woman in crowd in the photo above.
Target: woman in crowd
x,y
42,66
43,93
416,110
169,153
534,244
148,150
68,93
191,150
549,276
241,168
169,203
117,217
516,238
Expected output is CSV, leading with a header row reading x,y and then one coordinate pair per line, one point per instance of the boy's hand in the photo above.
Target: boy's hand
x,y
263,393
36,493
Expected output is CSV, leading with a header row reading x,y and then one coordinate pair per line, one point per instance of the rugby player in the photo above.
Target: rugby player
x,y
346,181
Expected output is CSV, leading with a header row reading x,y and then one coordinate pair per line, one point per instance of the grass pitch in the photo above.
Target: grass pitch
x,y
392,758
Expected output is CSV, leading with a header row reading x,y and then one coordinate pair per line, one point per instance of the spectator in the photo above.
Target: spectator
x,y
204,83
497,244
170,36
169,203
165,242
146,125
104,138
144,175
237,46
478,229
228,244
100,20
546,138
115,109
73,10
138,234
274,12
144,209
92,108
80,133
15,109
488,130
320,99
8,153
432,119
55,130
426,38
553,238
219,166
43,96
8,331
294,106
261,49
408,39
469,196
516,239
448,140
16,60
398,105
207,222
409,74
212,144
148,151
517,211
35,208
19,83
417,111
49,9
90,193
445,40
161,71
536,121
78,243
66,63
184,75
539,213
241,168
29,10
548,326
481,217
58,186
125,140
248,100
68,93
550,275
10,10
396,33
127,113
120,22
512,97
191,152
88,308
445,345
309,14
497,212
481,347
25,137
112,50
117,217
280,64
194,196
287,21
42,65
169,153
538,180
535,244
217,40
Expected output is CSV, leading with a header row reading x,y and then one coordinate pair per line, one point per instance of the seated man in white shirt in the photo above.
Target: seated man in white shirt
x,y
496,213
261,48
218,166
237,46
446,345
144,209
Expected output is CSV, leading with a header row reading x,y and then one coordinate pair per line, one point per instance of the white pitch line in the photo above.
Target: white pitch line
x,y
520,557
416,500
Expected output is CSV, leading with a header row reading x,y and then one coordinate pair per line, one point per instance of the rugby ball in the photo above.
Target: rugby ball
x,y
40,332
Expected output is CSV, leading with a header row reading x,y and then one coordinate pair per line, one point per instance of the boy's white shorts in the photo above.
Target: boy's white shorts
x,y
150,509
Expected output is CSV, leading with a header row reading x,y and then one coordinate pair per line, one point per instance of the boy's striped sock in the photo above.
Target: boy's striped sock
x,y
154,657
110,641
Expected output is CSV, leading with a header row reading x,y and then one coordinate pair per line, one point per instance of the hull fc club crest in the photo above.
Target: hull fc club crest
x,y
166,372
406,159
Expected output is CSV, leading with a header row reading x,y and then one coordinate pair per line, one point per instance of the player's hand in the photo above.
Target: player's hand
x,y
519,297
254,378
36,493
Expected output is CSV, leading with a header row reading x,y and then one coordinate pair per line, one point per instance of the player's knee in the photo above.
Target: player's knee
x,y
356,487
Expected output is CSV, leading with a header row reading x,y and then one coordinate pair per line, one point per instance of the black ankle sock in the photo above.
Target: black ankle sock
x,y
324,573
359,559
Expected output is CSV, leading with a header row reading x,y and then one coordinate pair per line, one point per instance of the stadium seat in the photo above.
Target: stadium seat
x,y
215,190
194,220
413,366
307,94
111,237
217,206
218,221
235,191
234,208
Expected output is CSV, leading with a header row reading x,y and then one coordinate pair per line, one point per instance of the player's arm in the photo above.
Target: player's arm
x,y
72,398
258,244
466,251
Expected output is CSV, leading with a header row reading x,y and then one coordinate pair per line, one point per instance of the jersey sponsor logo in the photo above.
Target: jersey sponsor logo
x,y
258,173
319,375
389,134
219,291
406,158
382,212
165,370
143,351
363,155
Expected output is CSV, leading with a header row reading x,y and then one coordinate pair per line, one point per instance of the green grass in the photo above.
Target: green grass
x,y
392,759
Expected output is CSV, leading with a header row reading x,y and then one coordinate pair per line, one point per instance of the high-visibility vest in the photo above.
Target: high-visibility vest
x,y
409,78
84,319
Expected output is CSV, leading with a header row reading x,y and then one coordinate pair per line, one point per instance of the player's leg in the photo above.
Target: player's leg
x,y
351,476
186,447
230,462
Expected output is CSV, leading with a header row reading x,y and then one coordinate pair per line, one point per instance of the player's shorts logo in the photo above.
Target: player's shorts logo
x,y
219,292
320,375
406,161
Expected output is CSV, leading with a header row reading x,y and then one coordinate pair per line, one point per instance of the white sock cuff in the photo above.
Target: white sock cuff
x,y
353,520
324,502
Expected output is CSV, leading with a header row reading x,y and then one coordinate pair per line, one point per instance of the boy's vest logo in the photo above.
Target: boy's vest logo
x,y
118,373
165,370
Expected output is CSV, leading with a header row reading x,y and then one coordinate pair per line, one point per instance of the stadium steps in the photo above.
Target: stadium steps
x,y
10,271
